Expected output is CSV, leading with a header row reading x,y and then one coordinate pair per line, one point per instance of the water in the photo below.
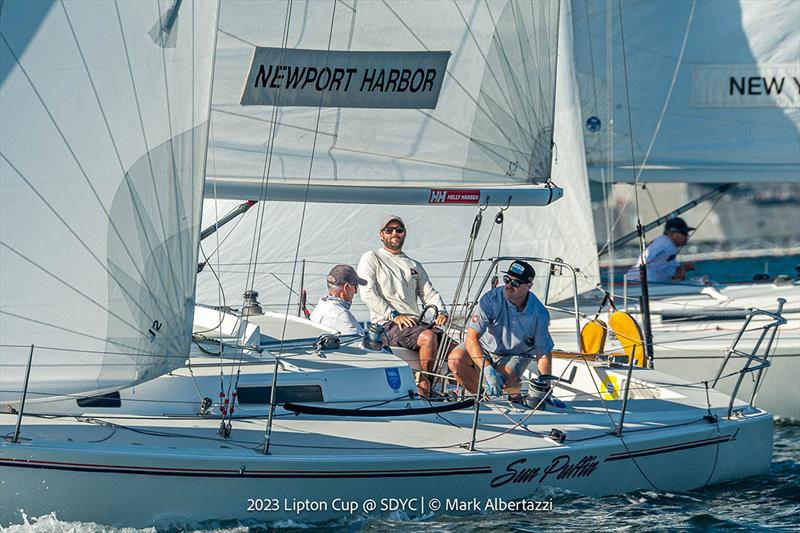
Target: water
x,y
770,502
743,270
739,270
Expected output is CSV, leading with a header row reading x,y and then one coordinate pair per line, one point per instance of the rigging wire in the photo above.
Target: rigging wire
x,y
273,391
225,426
444,345
661,115
220,290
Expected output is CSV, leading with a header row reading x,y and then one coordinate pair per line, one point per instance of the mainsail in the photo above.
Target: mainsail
x,y
732,111
447,98
103,128
492,123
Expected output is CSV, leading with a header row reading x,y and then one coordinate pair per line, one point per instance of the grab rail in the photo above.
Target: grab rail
x,y
769,329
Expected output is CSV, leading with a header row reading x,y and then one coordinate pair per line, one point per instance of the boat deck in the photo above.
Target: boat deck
x,y
503,427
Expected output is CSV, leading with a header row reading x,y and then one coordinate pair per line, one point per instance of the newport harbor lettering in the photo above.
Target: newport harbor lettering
x,y
294,77
561,467
341,78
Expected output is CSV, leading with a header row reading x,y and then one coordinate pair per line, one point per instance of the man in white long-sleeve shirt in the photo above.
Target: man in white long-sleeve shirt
x,y
661,254
395,283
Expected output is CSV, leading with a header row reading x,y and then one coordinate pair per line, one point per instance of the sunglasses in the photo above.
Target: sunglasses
x,y
394,229
513,282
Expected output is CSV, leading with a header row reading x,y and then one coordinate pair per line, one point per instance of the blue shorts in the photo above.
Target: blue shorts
x,y
515,364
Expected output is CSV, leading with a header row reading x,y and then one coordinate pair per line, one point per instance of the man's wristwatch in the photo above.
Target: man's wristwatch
x,y
394,314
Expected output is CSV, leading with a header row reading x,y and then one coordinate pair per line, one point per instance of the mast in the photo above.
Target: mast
x,y
645,297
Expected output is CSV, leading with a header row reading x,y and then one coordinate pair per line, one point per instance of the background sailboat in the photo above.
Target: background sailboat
x,y
713,99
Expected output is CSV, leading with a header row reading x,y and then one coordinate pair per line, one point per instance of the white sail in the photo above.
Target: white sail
x,y
104,110
732,112
438,235
486,120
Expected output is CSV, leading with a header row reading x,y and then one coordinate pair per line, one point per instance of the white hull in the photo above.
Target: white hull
x,y
779,393
694,349
211,483
177,467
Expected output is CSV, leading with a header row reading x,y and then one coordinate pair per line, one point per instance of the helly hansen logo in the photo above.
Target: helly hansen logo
x,y
444,196
437,197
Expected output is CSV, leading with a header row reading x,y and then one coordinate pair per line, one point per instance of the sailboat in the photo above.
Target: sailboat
x,y
104,385
698,325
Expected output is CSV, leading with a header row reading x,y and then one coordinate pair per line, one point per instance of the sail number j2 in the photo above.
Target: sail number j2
x,y
561,467
154,329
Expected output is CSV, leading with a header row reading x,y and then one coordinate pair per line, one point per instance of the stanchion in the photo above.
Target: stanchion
x,y
15,437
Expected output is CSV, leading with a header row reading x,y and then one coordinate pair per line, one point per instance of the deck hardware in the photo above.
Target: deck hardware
x,y
205,406
556,435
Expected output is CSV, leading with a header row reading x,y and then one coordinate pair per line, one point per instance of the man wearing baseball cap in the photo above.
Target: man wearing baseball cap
x,y
333,310
395,283
660,255
512,325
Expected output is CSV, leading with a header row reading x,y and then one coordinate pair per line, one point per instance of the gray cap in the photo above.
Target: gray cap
x,y
341,274
389,218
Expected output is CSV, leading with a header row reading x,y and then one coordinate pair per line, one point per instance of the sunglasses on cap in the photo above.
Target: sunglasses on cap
x,y
394,229
513,282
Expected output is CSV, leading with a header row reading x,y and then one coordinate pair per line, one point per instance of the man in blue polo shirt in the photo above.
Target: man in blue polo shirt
x,y
511,324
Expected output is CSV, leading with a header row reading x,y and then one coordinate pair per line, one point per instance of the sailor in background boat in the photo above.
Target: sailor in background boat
x,y
333,310
661,254
394,283
510,323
